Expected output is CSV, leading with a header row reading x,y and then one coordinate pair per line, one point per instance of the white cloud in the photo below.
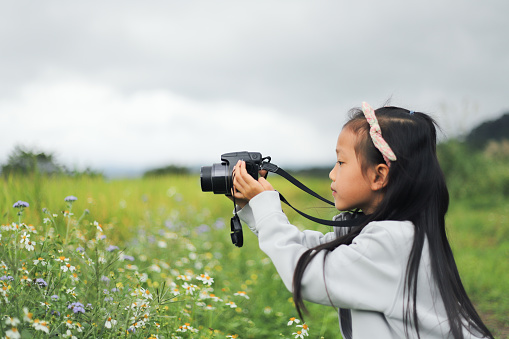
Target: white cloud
x,y
89,124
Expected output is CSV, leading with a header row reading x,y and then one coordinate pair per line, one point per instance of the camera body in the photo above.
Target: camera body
x,y
218,178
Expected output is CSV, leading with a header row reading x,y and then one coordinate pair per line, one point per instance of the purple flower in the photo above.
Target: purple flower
x,y
41,282
112,248
77,307
108,299
105,279
55,313
70,198
80,249
89,305
54,297
7,277
202,229
20,204
128,257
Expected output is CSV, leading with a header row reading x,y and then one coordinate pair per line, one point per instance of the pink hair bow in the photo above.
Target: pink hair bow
x,y
376,134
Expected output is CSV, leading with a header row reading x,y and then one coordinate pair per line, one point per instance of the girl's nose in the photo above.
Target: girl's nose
x,y
332,173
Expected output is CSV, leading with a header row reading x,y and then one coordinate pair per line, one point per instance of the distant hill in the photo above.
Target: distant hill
x,y
495,130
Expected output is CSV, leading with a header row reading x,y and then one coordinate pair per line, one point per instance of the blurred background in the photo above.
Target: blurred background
x,y
123,87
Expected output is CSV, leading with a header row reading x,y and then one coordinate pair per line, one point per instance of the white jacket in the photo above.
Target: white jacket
x,y
366,277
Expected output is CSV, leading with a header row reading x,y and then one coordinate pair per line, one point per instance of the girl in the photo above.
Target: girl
x,y
393,275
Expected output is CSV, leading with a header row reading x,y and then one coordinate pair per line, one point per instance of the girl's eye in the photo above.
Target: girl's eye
x,y
340,163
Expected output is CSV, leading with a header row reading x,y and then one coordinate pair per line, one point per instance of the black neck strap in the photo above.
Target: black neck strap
x,y
335,223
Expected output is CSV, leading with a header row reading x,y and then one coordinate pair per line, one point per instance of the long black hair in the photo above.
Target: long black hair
x,y
416,191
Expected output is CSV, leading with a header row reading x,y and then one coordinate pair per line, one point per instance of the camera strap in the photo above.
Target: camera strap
x,y
335,223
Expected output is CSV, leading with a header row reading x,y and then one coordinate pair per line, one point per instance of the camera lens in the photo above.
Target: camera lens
x,y
215,178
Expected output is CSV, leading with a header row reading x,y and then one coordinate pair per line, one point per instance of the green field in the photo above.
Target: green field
x,y
175,233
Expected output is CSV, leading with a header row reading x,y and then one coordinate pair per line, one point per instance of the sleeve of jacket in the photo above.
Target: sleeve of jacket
x,y
309,238
364,275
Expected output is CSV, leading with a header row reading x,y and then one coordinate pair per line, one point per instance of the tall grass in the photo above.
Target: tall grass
x,y
173,229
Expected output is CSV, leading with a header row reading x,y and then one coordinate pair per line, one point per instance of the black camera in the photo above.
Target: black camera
x,y
218,177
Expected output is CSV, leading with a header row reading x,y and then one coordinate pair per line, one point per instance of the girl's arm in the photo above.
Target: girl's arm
x,y
364,275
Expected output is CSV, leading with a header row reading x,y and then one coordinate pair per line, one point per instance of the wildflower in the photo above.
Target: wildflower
x,y
68,334
7,277
184,277
67,267
77,307
112,248
131,267
293,320
45,304
41,326
74,277
242,294
41,282
54,297
209,308
27,316
206,279
305,329
98,226
12,321
186,327
20,204
231,304
214,297
298,335
71,291
53,312
40,260
62,259
126,257
110,323
80,249
70,198
13,333
235,336
46,221
189,288
155,268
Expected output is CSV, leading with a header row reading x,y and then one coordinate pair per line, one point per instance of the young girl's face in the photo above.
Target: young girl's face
x,y
351,188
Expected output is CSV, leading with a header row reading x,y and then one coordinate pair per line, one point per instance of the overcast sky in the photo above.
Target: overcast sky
x,y
142,84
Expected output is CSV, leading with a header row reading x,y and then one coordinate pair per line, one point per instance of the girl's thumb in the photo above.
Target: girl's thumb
x,y
265,184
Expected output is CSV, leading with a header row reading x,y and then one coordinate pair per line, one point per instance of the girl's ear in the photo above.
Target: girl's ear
x,y
379,177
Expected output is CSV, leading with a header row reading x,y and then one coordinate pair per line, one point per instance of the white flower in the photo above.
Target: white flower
x,y
13,333
293,320
298,335
68,267
110,323
12,321
62,259
231,304
242,294
189,288
305,329
27,316
41,261
41,326
206,279
184,277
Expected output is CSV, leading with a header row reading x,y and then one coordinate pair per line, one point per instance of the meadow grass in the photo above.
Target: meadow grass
x,y
178,240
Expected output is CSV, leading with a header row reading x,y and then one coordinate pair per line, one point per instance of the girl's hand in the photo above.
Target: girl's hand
x,y
245,187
